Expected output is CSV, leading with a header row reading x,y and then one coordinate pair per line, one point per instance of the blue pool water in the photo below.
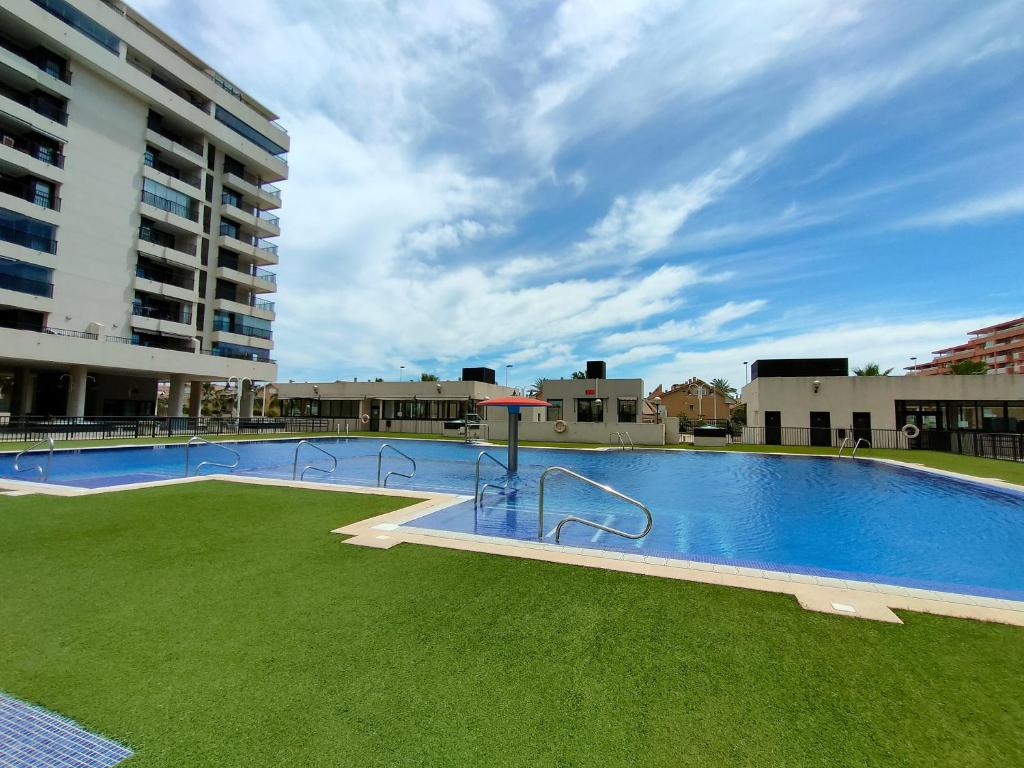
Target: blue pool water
x,y
852,519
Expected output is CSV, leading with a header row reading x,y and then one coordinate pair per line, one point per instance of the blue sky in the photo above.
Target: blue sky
x,y
672,187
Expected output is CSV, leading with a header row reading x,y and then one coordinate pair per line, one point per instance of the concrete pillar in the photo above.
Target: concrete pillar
x,y
248,397
76,390
195,399
176,395
28,392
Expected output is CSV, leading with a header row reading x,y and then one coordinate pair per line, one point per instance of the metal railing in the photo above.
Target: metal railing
x,y
623,438
201,464
44,474
25,284
19,429
10,234
575,519
380,459
312,467
848,441
477,425
478,492
171,206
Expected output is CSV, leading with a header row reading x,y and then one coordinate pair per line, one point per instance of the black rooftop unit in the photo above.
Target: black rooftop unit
x,y
597,369
806,366
486,375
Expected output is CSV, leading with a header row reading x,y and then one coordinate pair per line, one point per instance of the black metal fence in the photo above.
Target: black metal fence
x,y
15,429
992,445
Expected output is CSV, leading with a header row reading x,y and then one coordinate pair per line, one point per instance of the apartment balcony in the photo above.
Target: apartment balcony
x,y
263,224
190,152
181,218
256,281
162,319
255,308
39,115
24,155
240,336
164,283
31,243
264,254
169,176
184,255
260,195
25,74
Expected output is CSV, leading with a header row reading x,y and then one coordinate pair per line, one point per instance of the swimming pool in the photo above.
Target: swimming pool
x,y
847,519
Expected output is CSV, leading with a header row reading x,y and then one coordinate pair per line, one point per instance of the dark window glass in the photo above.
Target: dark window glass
x,y
27,278
589,410
554,410
244,129
627,409
77,20
31,233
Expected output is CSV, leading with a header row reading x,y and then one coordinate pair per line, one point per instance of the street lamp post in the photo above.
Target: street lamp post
x,y
913,366
400,369
701,391
507,366
746,376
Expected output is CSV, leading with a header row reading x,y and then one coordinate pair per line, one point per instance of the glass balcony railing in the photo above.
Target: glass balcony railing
x,y
182,315
262,304
171,206
165,276
243,330
11,234
33,148
25,285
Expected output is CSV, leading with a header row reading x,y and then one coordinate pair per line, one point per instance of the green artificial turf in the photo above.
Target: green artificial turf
x,y
220,624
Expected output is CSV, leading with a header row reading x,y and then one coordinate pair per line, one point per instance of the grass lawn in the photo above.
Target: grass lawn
x,y
218,624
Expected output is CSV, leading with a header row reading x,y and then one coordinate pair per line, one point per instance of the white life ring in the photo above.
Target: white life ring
x,y
560,426
910,431
365,419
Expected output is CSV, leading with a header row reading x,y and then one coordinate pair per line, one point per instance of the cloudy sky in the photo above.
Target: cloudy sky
x,y
673,187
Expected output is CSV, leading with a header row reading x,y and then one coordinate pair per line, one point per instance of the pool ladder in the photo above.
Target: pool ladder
x,y
44,474
623,438
201,464
574,519
846,442
312,467
478,492
380,459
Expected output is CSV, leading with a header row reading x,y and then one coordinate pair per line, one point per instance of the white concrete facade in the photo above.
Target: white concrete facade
x,y
843,396
135,203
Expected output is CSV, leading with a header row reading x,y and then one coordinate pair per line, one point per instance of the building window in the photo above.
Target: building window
x,y
27,278
22,230
627,409
555,410
244,129
77,20
589,409
229,228
166,199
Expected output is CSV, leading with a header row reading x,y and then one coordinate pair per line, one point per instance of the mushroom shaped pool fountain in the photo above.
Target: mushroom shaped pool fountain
x,y
514,404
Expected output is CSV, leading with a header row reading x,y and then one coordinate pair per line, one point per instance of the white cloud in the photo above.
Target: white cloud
x,y
703,328
977,209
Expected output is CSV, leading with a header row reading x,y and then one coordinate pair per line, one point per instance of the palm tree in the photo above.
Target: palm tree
x,y
579,375
871,369
537,388
721,389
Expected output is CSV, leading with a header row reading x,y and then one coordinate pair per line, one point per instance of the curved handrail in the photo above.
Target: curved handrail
x,y
843,445
574,519
311,467
44,474
857,445
623,437
380,458
477,491
201,441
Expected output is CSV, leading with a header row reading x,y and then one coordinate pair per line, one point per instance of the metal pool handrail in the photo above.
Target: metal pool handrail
x,y
846,442
44,474
478,425
574,519
623,437
311,467
201,464
380,458
478,492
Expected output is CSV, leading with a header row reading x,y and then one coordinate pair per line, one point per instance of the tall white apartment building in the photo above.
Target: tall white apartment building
x,y
136,207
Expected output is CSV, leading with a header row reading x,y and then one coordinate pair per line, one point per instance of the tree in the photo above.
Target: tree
x,y
739,415
871,369
428,377
969,368
537,388
579,375
723,388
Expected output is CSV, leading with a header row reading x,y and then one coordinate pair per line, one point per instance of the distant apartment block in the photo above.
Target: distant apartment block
x,y
999,346
137,214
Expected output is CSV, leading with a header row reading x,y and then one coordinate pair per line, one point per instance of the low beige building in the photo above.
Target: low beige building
x,y
828,406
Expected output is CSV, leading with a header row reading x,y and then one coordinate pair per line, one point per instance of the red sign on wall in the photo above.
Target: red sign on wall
x,y
591,391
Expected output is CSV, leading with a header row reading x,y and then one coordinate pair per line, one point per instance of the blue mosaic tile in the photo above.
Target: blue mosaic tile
x,y
32,737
